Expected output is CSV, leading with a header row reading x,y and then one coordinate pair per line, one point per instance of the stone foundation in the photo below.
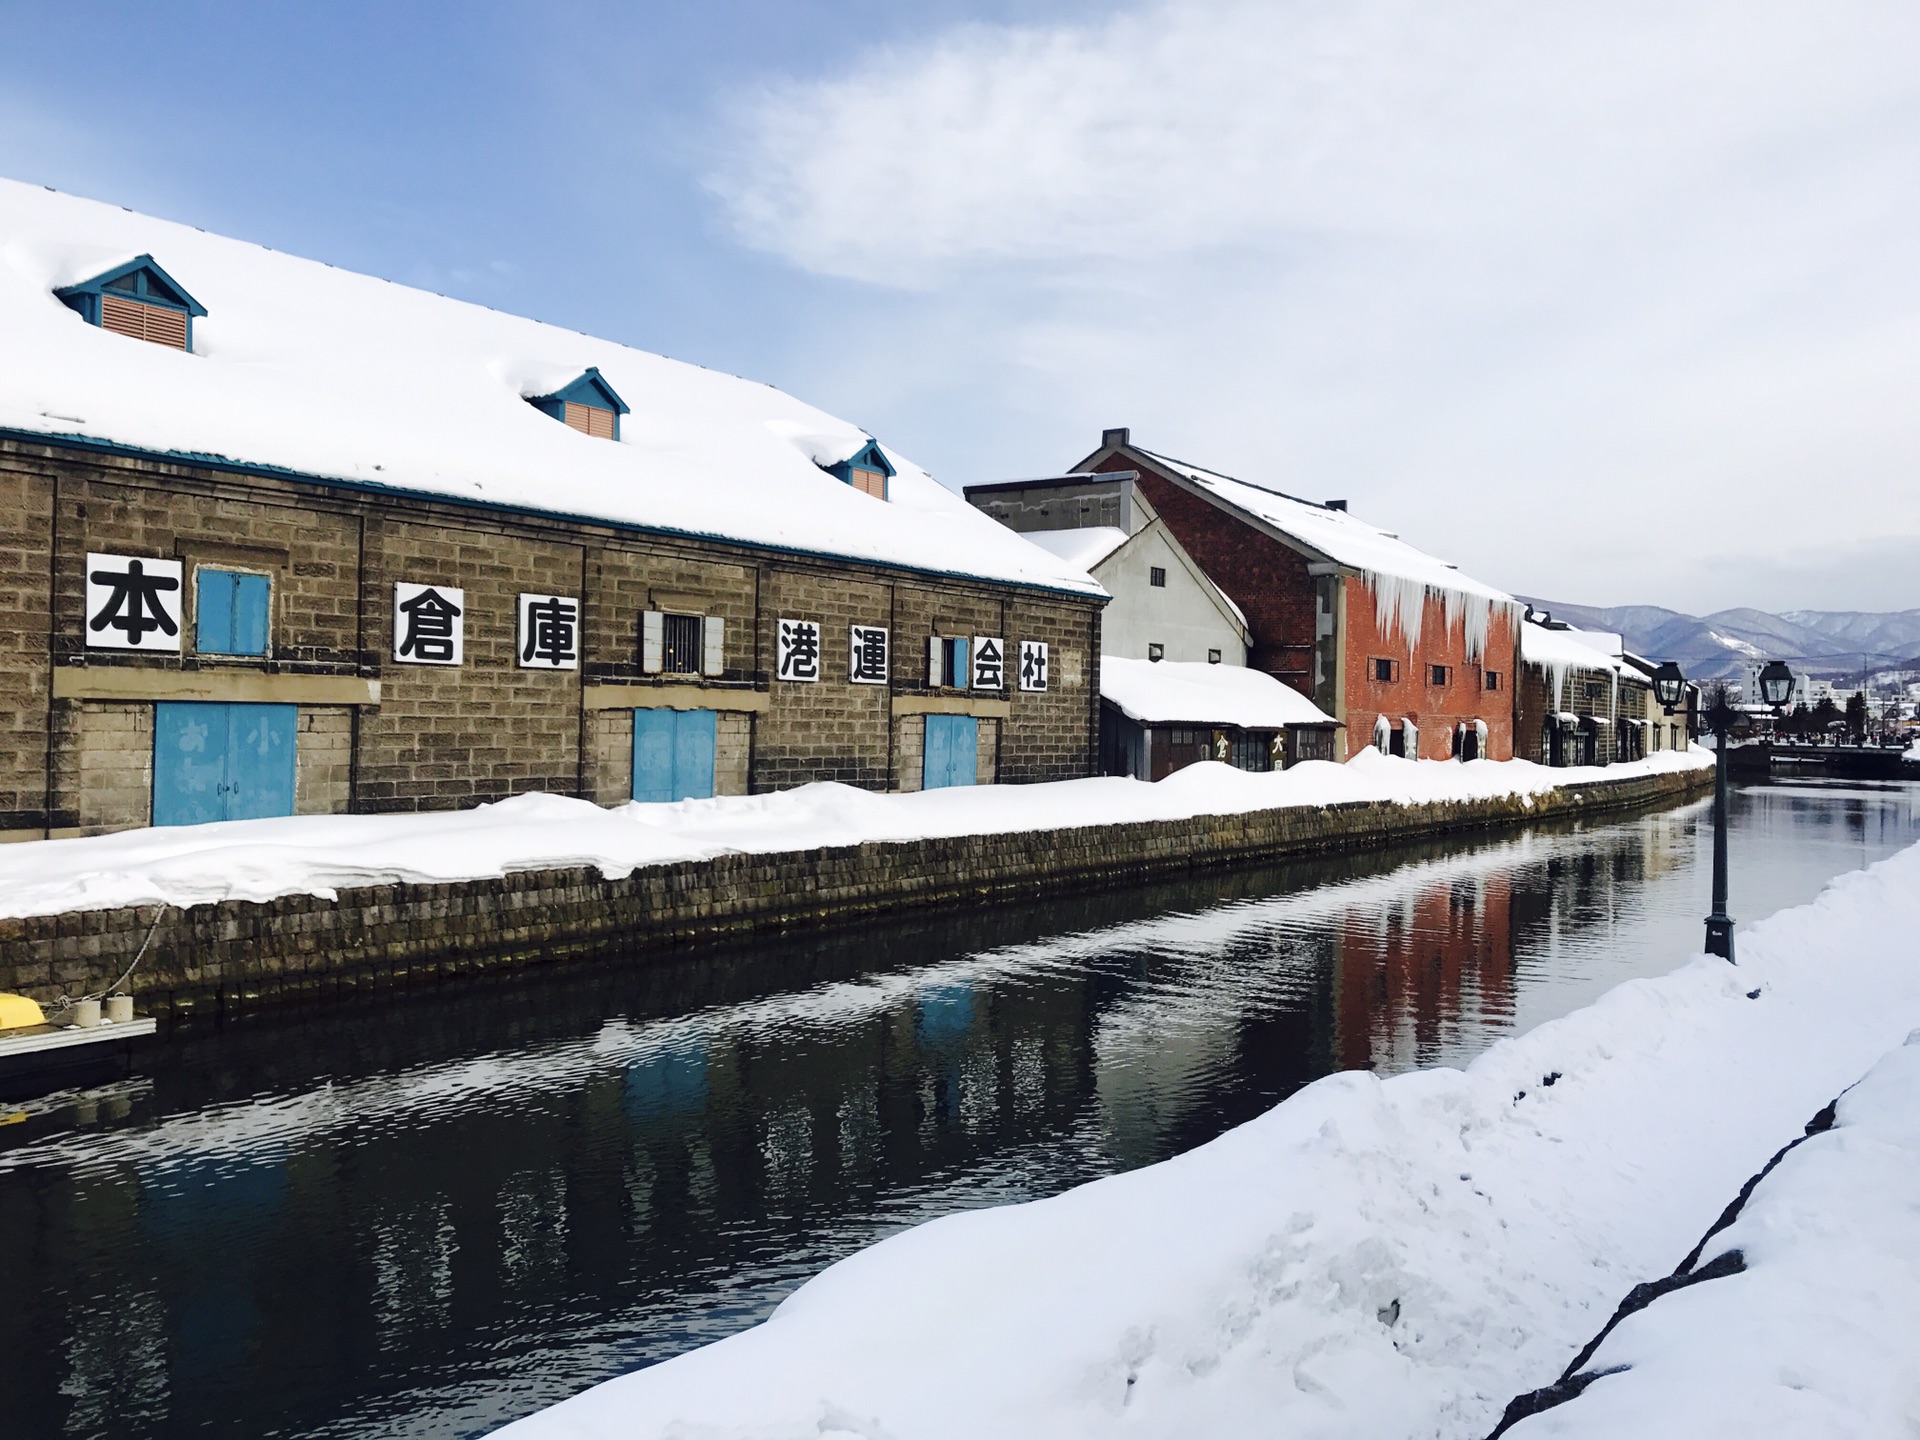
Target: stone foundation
x,y
236,953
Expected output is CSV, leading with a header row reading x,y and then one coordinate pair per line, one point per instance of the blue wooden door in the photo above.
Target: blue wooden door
x,y
260,761
952,750
221,762
673,753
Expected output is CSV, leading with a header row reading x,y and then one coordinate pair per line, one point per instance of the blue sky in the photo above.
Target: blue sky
x,y
1530,284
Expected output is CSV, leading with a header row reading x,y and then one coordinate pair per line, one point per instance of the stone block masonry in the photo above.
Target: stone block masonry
x,y
236,954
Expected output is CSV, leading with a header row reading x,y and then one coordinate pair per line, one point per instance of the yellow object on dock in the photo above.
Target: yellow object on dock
x,y
17,1011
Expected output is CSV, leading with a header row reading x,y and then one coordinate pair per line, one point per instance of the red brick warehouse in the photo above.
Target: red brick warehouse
x,y
1369,627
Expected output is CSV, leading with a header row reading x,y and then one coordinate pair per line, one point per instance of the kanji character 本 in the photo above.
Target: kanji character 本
x,y
799,657
428,618
128,604
549,632
989,663
1033,665
869,649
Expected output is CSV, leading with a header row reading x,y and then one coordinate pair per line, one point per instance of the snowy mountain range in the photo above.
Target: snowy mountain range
x,y
1826,643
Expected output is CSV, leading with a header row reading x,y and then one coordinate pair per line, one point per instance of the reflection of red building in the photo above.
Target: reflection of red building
x,y
1353,617
1404,977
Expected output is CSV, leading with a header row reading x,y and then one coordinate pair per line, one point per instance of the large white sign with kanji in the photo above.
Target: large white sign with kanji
x,y
1033,665
868,647
989,663
798,651
133,603
429,624
549,632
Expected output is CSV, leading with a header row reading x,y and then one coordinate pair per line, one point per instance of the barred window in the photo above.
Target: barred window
x,y
682,635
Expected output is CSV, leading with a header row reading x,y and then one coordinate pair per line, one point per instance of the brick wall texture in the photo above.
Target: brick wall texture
x,y
448,737
235,953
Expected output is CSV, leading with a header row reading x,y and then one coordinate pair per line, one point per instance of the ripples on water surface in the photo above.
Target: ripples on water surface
x,y
432,1213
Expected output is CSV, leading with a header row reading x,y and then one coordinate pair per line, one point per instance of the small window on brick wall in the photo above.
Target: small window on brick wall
x,y
1439,674
1385,672
1490,679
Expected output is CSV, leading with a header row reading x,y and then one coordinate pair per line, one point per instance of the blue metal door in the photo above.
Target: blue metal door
x,y
952,749
221,762
673,754
260,761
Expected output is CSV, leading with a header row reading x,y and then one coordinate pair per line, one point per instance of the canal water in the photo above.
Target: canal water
x,y
427,1214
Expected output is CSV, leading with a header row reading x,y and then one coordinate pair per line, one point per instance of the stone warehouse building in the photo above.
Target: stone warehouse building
x,y
1401,648
280,539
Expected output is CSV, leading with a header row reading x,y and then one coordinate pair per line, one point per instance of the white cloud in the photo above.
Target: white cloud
x,y
1605,302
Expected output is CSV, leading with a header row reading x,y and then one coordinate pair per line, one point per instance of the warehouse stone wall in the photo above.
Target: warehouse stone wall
x,y
237,953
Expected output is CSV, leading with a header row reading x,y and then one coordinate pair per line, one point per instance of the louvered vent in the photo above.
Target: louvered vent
x,y
590,420
161,325
870,482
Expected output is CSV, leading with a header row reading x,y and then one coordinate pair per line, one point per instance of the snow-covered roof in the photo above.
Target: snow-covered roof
x,y
1176,692
323,372
1569,649
1083,547
1401,576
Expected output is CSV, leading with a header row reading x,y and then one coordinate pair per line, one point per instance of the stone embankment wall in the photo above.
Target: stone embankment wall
x,y
240,952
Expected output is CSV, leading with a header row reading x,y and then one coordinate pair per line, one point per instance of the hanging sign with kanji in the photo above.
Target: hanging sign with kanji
x,y
133,603
428,624
798,651
549,632
869,651
989,663
1033,665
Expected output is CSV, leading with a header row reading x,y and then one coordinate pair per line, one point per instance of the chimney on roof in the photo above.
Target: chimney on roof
x,y
1336,504
1115,437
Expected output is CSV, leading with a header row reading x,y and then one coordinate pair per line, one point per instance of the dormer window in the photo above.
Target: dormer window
x,y
867,471
588,405
137,299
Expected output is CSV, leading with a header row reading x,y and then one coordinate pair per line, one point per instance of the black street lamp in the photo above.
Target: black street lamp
x,y
1776,687
1668,682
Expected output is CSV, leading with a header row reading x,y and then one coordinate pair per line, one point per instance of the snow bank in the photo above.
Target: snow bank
x,y
321,854
1186,692
1370,1258
1820,1334
345,377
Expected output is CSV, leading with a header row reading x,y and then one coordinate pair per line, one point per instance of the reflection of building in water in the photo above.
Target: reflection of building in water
x,y
1404,975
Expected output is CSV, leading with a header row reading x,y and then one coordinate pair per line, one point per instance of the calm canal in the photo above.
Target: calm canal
x,y
427,1214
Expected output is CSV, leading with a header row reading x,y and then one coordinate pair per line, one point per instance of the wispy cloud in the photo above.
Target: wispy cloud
x,y
1524,280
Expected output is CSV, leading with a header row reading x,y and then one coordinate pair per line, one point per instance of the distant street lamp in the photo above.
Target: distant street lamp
x,y
1668,682
1776,687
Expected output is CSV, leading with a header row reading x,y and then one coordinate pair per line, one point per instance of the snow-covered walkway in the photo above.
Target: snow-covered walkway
x,y
1819,1334
322,854
1371,1258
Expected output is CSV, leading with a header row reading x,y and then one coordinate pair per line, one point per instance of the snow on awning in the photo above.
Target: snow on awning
x,y
1567,717
1175,692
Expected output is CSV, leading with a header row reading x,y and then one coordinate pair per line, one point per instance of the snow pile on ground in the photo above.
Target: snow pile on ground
x,y
1913,752
1370,1258
1820,1334
322,854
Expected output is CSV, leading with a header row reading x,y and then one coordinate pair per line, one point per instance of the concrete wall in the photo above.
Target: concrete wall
x,y
236,953
1184,615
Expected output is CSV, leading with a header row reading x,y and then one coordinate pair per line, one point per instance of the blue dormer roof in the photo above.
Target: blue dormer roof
x,y
867,457
141,278
141,281
590,389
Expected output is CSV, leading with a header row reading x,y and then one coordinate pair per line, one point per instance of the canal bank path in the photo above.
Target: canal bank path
x,y
1372,1257
321,855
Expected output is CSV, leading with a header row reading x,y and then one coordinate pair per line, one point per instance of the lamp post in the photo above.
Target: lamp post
x,y
1776,688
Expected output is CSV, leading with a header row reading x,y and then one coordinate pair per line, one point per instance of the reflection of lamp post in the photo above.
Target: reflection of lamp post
x,y
1776,686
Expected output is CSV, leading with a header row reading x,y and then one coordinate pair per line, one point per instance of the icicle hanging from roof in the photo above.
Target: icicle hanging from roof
x,y
1400,603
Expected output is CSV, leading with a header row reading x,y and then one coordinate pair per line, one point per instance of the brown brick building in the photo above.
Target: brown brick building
x,y
1368,627
519,581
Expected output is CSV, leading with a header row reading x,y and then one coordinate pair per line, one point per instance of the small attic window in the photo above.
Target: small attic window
x,y
867,471
588,405
137,299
